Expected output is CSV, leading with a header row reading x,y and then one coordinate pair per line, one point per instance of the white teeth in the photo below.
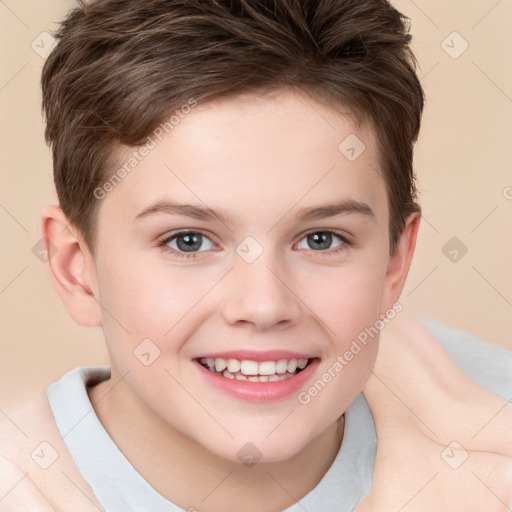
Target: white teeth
x,y
257,378
267,368
249,367
233,365
220,364
292,365
254,371
282,366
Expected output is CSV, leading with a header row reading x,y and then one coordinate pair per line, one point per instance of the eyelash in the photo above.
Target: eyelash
x,y
163,243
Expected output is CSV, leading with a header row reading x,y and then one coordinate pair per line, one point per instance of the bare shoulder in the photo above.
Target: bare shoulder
x,y
37,472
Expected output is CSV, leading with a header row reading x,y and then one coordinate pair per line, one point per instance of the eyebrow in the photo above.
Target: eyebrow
x,y
345,206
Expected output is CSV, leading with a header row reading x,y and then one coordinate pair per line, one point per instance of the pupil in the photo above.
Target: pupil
x,y
323,239
191,243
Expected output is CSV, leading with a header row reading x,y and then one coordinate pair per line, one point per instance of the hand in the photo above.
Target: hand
x,y
423,404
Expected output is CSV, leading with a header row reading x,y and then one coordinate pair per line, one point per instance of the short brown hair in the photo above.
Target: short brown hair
x,y
121,66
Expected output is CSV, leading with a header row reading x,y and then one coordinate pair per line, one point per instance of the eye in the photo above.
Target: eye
x,y
322,241
187,242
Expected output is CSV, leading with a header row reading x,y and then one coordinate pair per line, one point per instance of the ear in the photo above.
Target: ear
x,y
71,267
400,262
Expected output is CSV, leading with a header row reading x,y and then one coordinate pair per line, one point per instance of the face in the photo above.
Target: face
x,y
238,262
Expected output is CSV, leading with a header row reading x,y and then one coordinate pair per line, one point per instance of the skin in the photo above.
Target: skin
x,y
409,472
417,467
260,160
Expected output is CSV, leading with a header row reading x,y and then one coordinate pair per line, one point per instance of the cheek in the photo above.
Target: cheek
x,y
148,301
145,301
347,301
349,307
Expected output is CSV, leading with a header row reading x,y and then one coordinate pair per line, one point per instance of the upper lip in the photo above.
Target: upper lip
x,y
251,355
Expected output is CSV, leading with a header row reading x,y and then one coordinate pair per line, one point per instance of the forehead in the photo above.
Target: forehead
x,y
254,153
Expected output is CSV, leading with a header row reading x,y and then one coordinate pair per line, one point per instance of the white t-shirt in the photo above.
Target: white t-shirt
x,y
118,487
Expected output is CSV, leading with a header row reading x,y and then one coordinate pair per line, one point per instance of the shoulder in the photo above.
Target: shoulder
x,y
487,364
37,472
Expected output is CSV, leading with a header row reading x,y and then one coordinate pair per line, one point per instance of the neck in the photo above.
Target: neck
x,y
192,477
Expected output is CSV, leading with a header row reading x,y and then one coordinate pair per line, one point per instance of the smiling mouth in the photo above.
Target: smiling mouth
x,y
254,371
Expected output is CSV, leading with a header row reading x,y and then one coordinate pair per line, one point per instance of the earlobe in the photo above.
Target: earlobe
x,y
400,262
71,267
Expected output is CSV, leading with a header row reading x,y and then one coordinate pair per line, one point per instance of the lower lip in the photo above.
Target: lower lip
x,y
259,391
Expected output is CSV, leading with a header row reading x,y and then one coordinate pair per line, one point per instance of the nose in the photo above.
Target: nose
x,y
258,294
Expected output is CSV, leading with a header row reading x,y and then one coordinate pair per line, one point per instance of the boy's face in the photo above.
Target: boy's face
x,y
254,286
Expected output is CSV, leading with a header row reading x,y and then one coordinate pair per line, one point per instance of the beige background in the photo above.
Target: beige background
x,y
463,163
